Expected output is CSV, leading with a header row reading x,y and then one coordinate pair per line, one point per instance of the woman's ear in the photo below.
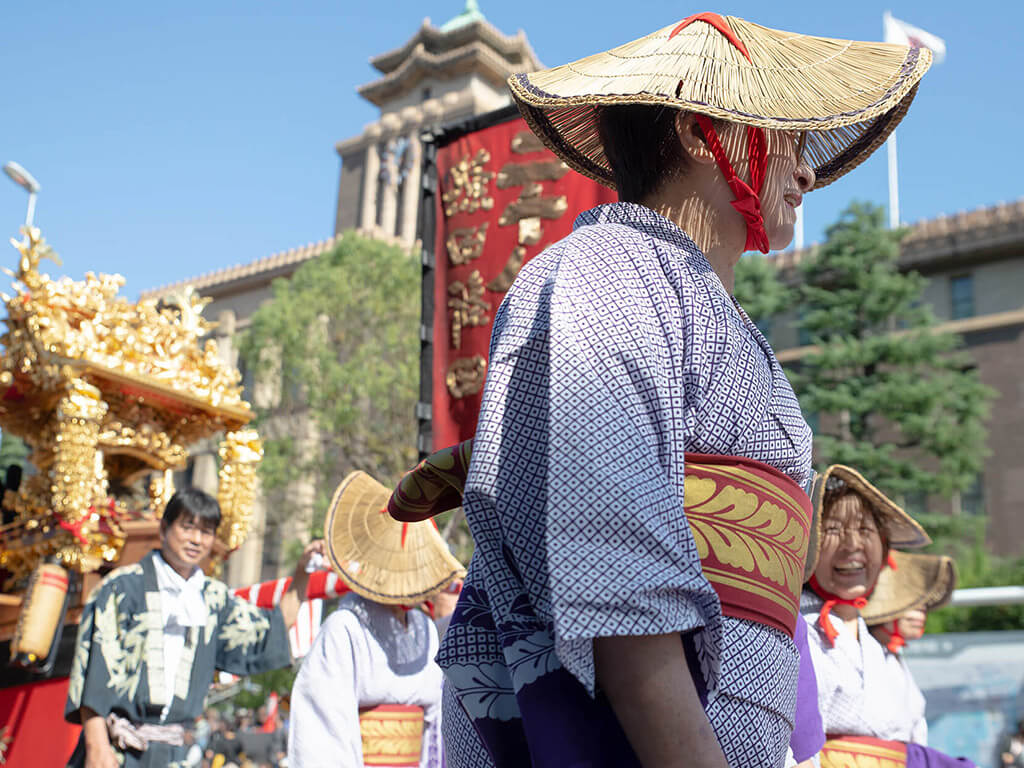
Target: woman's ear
x,y
691,138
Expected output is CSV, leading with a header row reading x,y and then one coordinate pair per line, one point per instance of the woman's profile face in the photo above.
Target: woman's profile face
x,y
787,178
851,551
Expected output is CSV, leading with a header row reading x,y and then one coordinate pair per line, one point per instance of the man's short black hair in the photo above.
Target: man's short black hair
x,y
192,504
642,148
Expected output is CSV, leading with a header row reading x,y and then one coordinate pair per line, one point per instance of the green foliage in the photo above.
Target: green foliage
x,y
255,695
338,343
963,538
759,290
905,407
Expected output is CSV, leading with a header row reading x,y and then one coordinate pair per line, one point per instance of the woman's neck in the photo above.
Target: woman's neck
x,y
719,234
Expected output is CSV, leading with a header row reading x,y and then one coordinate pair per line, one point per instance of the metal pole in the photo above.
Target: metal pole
x,y
31,210
894,185
988,596
798,240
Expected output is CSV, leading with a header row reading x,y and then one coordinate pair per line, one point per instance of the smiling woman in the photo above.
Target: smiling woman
x,y
868,701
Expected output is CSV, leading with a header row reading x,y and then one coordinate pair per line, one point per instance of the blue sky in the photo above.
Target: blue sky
x,y
171,139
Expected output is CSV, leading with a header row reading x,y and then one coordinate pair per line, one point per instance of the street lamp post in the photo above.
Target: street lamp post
x,y
26,181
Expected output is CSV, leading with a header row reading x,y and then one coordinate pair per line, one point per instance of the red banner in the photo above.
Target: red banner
x,y
502,199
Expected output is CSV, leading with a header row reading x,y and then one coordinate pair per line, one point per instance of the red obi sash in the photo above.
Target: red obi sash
x,y
863,752
392,735
751,524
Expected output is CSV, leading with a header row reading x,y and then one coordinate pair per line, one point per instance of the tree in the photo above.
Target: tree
x,y
338,346
903,405
760,291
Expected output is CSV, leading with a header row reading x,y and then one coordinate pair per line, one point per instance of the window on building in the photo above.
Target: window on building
x,y
961,291
803,336
972,500
916,502
427,93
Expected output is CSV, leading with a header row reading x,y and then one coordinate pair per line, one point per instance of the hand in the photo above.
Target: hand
x,y
100,756
300,579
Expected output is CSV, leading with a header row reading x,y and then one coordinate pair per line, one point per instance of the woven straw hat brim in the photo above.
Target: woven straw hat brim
x,y
847,95
366,548
920,581
904,531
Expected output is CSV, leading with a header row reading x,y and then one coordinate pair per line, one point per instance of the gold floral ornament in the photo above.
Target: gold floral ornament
x,y
467,305
108,395
240,453
465,376
468,183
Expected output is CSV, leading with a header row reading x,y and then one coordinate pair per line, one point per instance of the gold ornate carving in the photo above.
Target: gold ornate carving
x,y
467,305
468,183
105,392
466,243
465,376
520,174
525,142
240,453
505,278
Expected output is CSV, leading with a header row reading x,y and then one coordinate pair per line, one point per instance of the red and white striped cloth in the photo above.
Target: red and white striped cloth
x,y
322,585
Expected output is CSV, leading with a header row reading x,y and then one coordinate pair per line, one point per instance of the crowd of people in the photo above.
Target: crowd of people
x,y
660,577
236,739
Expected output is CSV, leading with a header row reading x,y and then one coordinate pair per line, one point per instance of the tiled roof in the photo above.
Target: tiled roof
x,y
943,236
276,261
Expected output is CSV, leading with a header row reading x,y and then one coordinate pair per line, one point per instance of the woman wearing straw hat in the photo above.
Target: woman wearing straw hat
x,y
369,691
913,586
906,591
867,708
619,354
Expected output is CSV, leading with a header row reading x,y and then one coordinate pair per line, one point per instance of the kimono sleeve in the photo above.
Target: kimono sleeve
x,y
324,725
621,558
250,639
106,669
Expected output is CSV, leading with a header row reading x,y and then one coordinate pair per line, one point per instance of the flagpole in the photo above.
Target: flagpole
x,y
894,184
890,146
798,240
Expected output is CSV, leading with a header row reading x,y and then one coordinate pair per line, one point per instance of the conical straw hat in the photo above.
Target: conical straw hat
x,y
380,558
903,530
848,96
925,582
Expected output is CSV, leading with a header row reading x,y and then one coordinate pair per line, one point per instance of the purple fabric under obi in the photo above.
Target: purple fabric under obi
x,y
926,757
808,732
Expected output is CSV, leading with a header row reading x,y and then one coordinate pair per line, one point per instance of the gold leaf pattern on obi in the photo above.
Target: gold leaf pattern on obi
x,y
740,530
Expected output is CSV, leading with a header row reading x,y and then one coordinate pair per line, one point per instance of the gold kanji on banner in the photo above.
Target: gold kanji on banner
x,y
466,243
467,305
465,376
468,185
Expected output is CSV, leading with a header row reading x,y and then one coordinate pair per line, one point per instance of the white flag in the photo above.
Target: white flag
x,y
900,32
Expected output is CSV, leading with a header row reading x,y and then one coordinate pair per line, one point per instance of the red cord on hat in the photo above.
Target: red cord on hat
x,y
831,601
748,196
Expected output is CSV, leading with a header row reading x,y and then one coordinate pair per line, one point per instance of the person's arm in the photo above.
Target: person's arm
x,y
98,752
648,683
296,593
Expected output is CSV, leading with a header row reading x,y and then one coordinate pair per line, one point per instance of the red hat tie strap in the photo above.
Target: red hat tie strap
x,y
831,601
748,198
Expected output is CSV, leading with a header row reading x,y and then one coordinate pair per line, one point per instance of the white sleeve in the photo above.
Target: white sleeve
x,y
324,725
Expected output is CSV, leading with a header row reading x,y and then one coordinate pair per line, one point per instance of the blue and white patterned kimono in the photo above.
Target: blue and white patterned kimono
x,y
118,665
616,350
